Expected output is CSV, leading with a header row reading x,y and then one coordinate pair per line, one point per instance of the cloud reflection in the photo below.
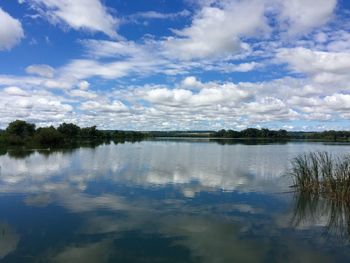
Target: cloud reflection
x,y
99,186
8,239
87,253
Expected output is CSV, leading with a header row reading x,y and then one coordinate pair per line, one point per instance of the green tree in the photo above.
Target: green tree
x,y
21,129
282,134
250,133
69,130
89,132
48,136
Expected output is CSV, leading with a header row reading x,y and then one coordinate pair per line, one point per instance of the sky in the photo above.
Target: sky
x,y
176,65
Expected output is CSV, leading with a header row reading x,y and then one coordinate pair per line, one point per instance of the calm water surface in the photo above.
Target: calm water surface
x,y
166,201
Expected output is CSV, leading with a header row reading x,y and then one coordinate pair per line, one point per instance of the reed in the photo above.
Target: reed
x,y
322,173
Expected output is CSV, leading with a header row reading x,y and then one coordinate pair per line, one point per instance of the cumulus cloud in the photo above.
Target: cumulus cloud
x,y
90,15
222,37
205,37
84,85
191,82
338,101
209,95
323,66
270,109
37,106
82,93
188,104
310,61
11,31
115,106
300,16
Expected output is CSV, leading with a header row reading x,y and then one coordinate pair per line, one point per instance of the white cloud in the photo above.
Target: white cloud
x,y
41,70
339,41
211,95
217,30
300,16
324,67
38,106
15,91
335,105
309,61
84,85
222,37
188,104
126,57
140,59
158,15
104,48
269,109
11,31
86,68
90,15
243,67
115,106
191,82
21,81
338,101
82,94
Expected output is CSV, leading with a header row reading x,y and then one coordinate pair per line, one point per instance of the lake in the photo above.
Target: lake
x,y
166,201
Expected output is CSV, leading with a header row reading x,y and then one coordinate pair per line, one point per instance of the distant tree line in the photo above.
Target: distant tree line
x,y
330,135
251,133
20,132
283,134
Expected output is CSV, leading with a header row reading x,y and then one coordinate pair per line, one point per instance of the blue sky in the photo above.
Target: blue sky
x,y
163,65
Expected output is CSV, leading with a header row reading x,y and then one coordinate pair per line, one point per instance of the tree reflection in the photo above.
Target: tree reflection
x,y
249,141
23,152
19,153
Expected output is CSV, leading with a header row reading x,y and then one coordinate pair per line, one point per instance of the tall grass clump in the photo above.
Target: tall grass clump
x,y
322,173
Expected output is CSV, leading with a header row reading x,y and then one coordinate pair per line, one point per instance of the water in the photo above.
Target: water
x,y
166,201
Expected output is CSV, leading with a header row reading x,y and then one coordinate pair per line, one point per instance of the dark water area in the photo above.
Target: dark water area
x,y
166,201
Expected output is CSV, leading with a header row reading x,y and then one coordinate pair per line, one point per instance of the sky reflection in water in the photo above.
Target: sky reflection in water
x,y
165,201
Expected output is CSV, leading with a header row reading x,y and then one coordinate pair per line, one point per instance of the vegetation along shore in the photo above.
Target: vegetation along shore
x,y
20,132
23,133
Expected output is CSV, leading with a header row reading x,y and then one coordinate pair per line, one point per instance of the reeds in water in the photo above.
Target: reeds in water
x,y
322,173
